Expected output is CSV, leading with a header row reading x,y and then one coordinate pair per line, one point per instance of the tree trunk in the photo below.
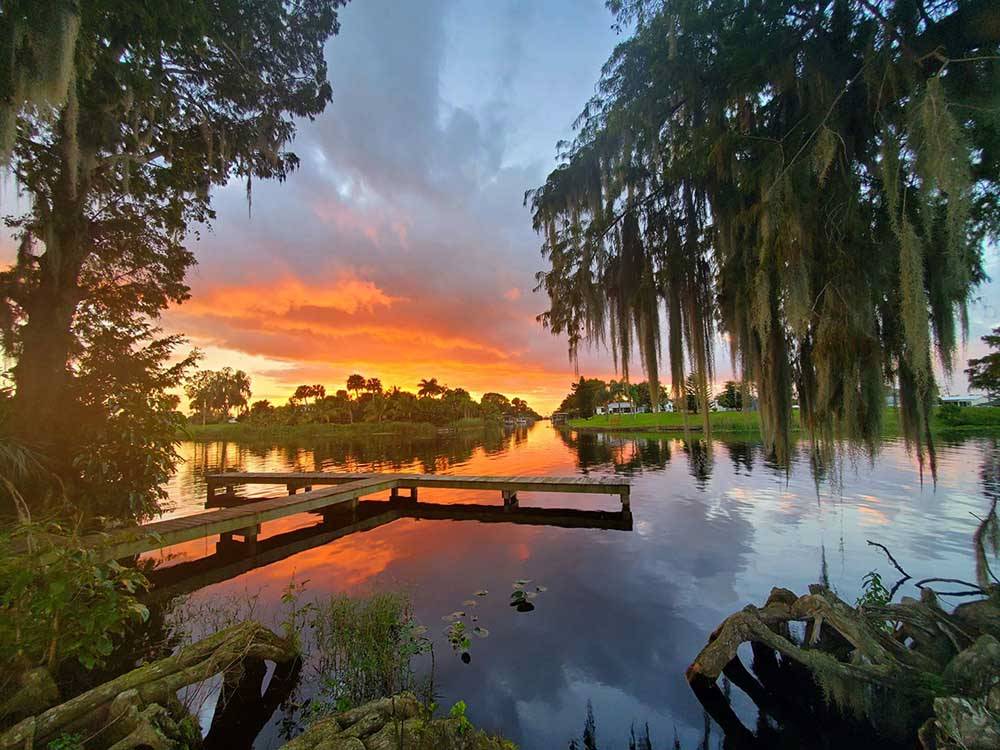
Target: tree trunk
x,y
41,401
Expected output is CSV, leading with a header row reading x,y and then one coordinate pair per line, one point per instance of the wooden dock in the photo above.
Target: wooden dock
x,y
234,516
508,486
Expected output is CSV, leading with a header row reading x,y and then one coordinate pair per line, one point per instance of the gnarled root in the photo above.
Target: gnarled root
x,y
861,659
129,710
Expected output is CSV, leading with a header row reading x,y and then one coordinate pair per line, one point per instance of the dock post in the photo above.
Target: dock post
x,y
394,494
509,498
307,488
210,490
248,542
291,488
625,499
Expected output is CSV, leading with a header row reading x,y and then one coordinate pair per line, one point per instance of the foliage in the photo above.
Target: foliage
x,y
221,391
818,181
372,403
458,712
873,591
60,601
731,396
66,741
364,647
430,388
126,421
116,120
984,372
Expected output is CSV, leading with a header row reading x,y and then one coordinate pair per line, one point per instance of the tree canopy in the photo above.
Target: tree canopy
x,y
116,119
984,372
813,181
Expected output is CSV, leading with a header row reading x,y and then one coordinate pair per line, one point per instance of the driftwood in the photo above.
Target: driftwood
x,y
903,670
140,708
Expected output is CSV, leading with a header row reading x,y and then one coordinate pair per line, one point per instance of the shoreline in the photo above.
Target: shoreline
x,y
976,419
249,431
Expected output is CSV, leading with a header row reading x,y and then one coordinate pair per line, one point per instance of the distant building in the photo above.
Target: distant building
x,y
964,400
620,407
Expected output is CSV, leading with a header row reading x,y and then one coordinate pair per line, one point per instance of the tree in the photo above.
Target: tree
x,y
261,410
377,407
356,383
495,403
429,388
117,145
984,373
817,182
221,390
731,396
373,385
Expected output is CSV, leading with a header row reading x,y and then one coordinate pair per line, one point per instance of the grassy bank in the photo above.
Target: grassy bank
x,y
971,419
252,431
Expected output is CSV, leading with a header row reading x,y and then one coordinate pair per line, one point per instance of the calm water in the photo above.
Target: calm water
x,y
625,611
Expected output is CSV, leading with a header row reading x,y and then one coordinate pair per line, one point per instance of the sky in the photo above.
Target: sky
x,y
401,248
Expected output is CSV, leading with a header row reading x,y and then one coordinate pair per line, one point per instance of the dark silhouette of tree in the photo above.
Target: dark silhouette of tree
x,y
731,396
429,388
356,383
984,373
146,108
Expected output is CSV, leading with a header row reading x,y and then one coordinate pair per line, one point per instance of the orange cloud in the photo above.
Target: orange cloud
x,y
346,293
397,326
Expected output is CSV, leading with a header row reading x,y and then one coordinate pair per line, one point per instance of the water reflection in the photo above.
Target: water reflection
x,y
715,527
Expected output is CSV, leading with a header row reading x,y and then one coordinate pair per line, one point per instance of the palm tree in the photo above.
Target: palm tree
x,y
430,388
356,383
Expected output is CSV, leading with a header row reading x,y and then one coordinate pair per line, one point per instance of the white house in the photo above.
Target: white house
x,y
620,407
965,400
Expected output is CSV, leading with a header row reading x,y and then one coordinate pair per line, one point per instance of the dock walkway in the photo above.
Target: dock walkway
x,y
231,515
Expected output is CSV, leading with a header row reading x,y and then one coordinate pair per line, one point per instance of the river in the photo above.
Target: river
x,y
623,612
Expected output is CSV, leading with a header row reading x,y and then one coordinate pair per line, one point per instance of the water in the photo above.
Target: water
x,y
625,612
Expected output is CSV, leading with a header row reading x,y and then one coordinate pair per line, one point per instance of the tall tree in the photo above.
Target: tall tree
x,y
119,130
984,372
430,388
356,383
819,179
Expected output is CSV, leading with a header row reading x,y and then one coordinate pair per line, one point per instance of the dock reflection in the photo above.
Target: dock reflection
x,y
234,558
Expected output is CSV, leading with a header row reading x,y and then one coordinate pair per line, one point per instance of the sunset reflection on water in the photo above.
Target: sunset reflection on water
x,y
715,527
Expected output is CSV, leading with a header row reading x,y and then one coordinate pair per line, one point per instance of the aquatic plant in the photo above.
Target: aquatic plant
x,y
363,648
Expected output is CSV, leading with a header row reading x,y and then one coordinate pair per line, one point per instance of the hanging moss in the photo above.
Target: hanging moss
x,y
816,187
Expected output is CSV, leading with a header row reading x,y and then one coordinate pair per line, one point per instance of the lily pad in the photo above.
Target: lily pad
x,y
482,592
525,607
453,616
481,632
523,581
470,603
542,588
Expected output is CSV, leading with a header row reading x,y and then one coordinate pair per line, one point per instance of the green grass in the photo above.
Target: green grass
x,y
250,431
976,418
723,421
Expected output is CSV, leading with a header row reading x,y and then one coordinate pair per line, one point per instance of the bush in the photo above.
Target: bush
x,y
60,601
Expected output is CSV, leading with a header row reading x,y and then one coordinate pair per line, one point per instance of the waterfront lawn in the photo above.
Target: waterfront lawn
x,y
948,419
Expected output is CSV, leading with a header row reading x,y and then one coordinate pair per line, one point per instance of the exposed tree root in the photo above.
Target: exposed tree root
x,y
140,708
